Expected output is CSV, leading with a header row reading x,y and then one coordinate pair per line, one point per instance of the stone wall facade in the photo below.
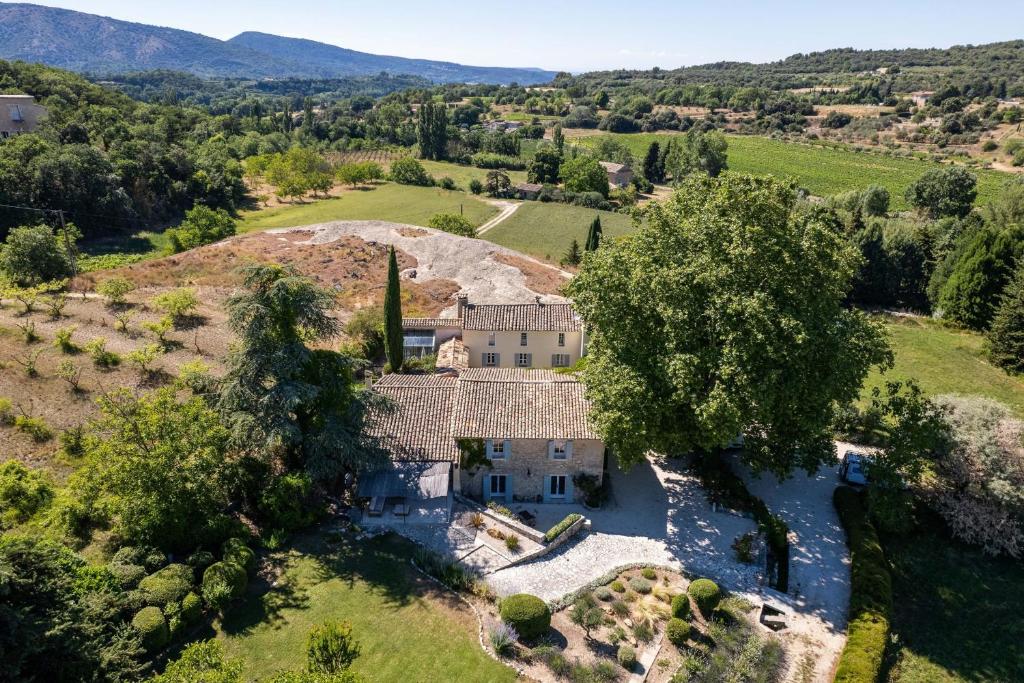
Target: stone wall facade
x,y
528,468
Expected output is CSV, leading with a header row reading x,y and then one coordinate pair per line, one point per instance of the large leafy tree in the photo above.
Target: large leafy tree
x,y
585,174
59,621
289,405
723,315
944,192
32,255
432,130
156,470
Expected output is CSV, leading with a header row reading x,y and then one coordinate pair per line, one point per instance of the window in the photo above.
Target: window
x,y
490,360
559,450
556,487
561,338
491,341
496,449
522,339
559,360
498,485
523,360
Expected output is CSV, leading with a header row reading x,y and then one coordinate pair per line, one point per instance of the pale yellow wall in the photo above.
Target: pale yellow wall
x,y
31,113
541,344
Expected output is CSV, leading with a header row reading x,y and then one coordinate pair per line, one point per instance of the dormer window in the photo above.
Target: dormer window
x,y
561,338
523,339
492,339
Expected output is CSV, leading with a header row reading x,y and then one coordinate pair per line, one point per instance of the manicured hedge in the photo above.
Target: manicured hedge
x,y
527,614
870,593
152,626
677,631
170,584
228,573
705,594
236,551
191,608
681,606
560,528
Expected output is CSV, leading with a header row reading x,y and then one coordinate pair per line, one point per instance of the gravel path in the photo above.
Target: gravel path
x,y
507,209
660,516
440,255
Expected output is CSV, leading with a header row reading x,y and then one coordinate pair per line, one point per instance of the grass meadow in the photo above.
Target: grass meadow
x,y
944,360
821,170
388,202
546,230
407,628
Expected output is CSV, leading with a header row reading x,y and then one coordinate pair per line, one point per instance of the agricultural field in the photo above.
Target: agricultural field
x,y
463,174
407,628
945,361
355,156
821,170
546,230
389,202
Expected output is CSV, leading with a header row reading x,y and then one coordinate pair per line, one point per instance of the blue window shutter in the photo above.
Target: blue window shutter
x,y
547,488
487,487
508,449
568,450
551,450
508,488
569,496
497,360
488,448
529,360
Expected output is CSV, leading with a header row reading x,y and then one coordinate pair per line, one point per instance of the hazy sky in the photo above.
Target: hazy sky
x,y
598,34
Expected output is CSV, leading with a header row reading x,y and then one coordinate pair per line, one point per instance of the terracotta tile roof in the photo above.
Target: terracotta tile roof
x,y
432,411
612,167
418,426
429,323
522,318
519,404
453,355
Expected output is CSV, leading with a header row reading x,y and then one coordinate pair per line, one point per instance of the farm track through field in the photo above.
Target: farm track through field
x,y
507,209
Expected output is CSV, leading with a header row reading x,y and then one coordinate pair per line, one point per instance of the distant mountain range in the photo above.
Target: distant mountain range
x,y
99,45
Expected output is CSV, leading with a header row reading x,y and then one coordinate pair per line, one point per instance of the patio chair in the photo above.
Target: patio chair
x,y
376,506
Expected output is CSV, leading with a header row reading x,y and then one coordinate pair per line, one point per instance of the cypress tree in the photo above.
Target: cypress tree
x,y
393,341
1006,336
651,163
594,235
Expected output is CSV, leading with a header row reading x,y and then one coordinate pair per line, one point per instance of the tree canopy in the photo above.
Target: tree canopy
x,y
723,315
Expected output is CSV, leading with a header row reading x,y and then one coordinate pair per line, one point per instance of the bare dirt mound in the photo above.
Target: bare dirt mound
x,y
486,272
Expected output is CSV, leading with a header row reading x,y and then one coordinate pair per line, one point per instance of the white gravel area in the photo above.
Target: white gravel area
x,y
441,255
660,515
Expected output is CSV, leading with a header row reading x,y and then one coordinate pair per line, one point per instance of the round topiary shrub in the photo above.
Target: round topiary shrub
x,y
191,608
681,606
603,593
677,631
200,559
618,586
527,614
152,626
235,550
153,559
626,656
225,573
640,585
128,575
705,594
649,573
169,584
129,554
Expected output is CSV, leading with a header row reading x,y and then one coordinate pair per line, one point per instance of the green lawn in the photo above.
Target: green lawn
x,y
957,616
546,230
406,628
463,174
389,202
823,171
946,361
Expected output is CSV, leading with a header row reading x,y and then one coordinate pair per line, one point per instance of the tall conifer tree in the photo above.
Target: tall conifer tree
x,y
393,342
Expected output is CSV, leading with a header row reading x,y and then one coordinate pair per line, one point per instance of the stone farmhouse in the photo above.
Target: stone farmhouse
x,y
504,434
619,175
537,335
19,114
